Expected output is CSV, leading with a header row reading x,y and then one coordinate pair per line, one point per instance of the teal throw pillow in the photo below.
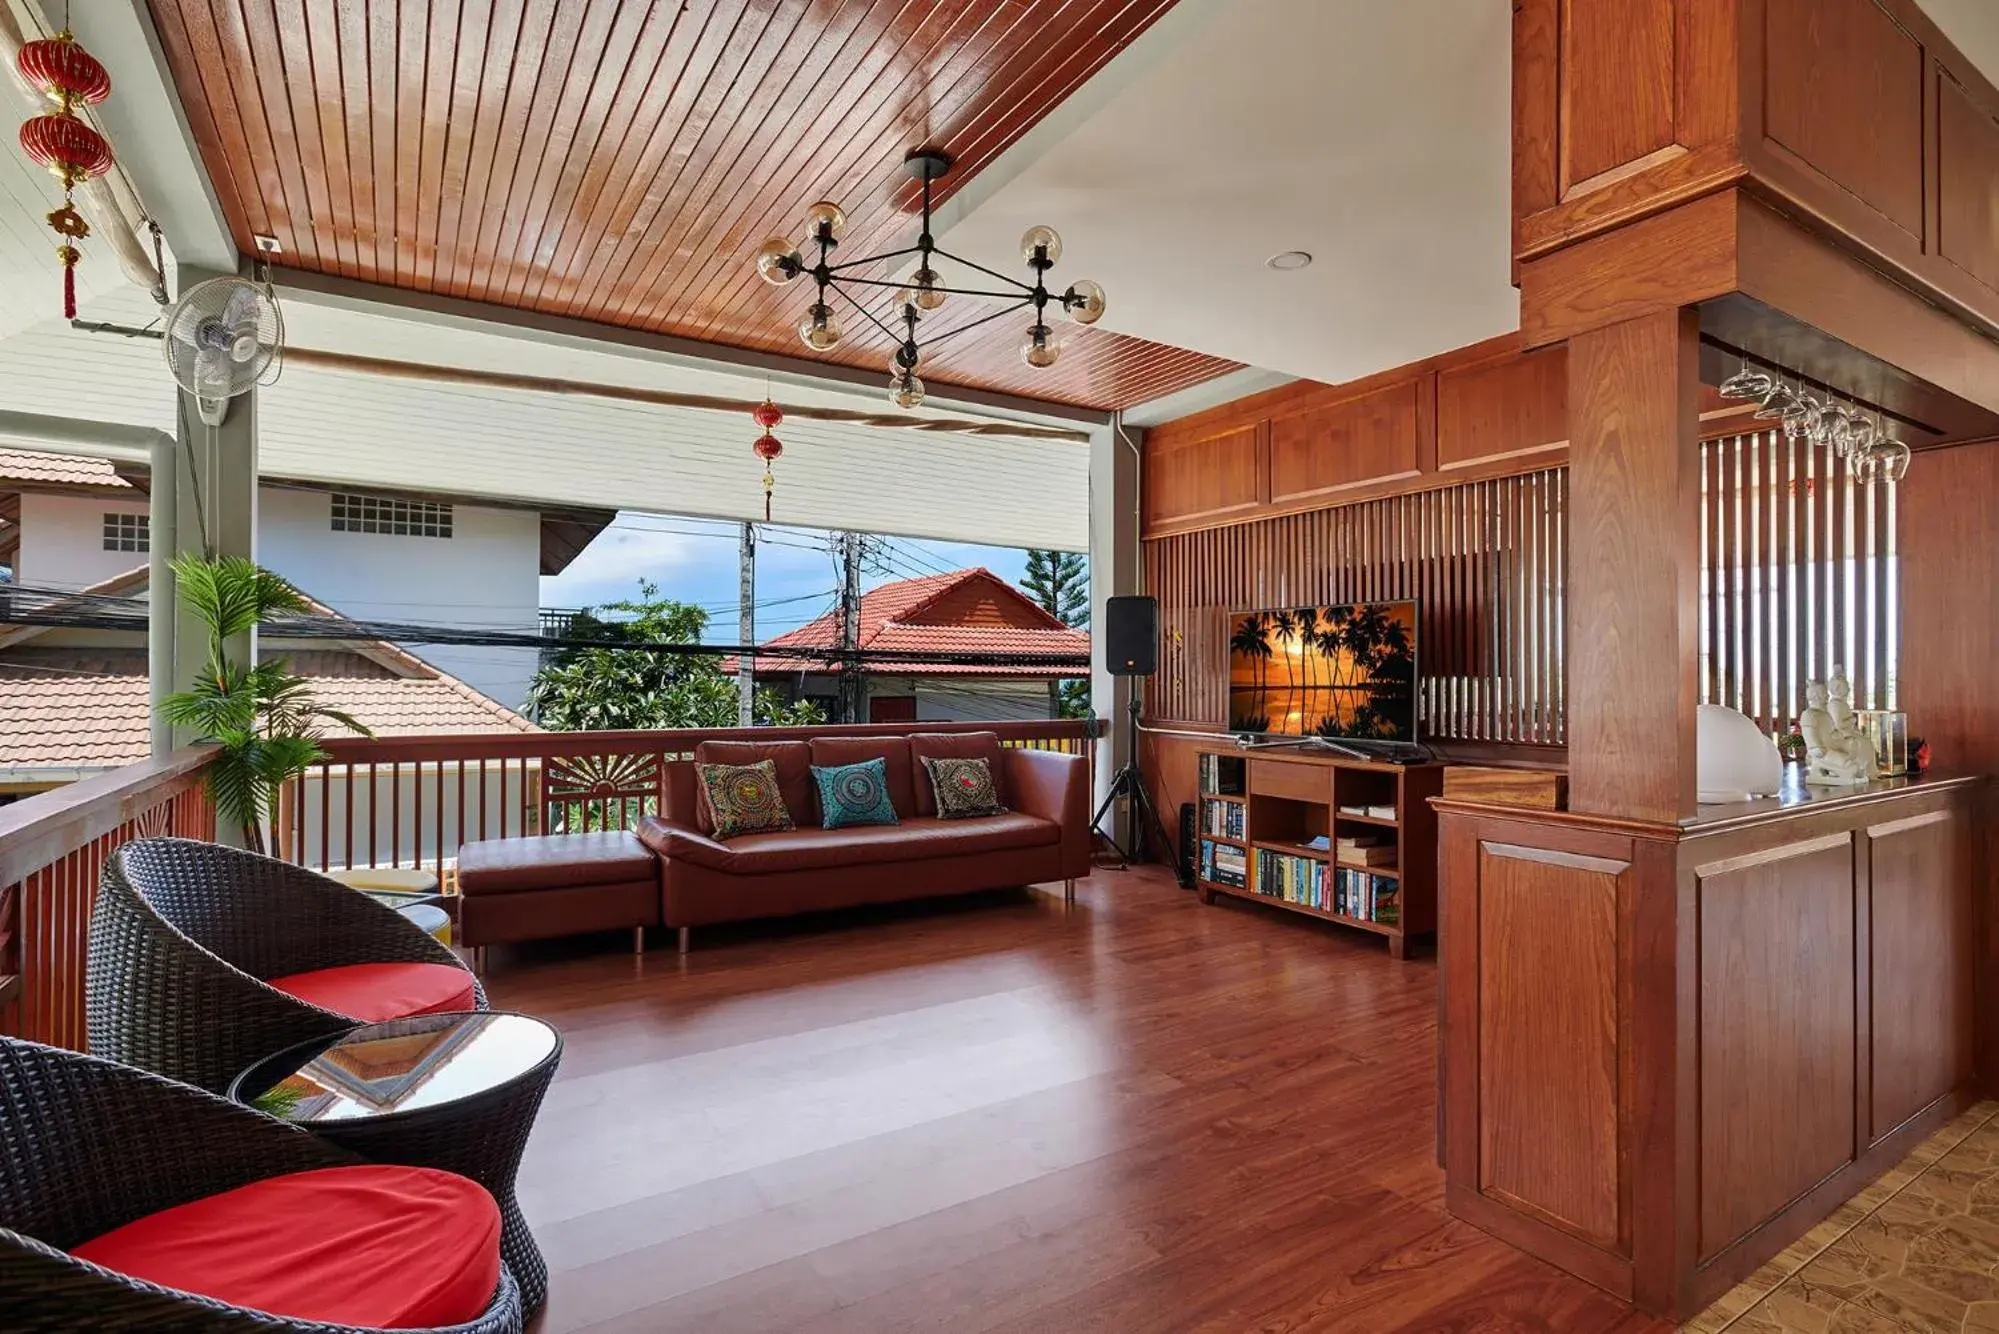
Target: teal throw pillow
x,y
854,794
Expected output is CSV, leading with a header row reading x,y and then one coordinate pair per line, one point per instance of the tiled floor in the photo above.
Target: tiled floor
x,y
1916,1251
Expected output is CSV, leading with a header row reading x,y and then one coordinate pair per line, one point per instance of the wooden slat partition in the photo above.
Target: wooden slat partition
x,y
1799,575
52,850
465,788
1484,560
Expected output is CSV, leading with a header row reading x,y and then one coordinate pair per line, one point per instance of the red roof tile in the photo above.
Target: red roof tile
x,y
27,467
52,719
89,708
964,612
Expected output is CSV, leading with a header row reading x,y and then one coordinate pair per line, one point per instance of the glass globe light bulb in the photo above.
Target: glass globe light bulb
x,y
828,215
1037,349
906,391
1088,307
777,261
928,294
905,297
819,329
1040,239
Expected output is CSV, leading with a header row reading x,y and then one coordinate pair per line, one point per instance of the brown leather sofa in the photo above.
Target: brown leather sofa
x,y
1044,837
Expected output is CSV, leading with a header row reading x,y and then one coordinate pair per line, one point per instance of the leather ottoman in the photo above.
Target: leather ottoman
x,y
555,885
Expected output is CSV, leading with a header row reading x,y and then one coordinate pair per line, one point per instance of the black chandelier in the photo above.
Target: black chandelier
x,y
780,262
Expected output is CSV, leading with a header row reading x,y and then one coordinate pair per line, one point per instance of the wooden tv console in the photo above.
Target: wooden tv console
x,y
1270,803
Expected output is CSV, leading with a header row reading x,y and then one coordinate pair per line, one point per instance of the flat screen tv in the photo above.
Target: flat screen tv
x,y
1345,672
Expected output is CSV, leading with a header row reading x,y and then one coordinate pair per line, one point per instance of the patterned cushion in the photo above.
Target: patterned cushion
x,y
743,798
854,794
962,787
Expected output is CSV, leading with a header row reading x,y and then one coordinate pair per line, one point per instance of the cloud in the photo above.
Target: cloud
x,y
612,565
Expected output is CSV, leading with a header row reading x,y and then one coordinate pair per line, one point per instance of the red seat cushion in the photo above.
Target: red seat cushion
x,y
376,1246
372,992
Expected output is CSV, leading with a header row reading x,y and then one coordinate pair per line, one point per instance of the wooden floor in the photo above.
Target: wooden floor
x,y
1134,1114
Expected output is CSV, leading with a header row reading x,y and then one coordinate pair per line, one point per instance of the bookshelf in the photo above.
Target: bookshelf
x,y
1352,842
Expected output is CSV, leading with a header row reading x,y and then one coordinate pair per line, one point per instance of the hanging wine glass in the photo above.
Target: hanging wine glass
x,y
1777,401
1837,427
1891,458
1746,383
1801,418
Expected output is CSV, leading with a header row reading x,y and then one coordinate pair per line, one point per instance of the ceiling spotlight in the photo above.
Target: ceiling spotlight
x,y
1288,261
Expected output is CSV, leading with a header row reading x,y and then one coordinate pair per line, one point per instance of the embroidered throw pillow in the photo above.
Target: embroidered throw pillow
x,y
962,788
854,794
743,798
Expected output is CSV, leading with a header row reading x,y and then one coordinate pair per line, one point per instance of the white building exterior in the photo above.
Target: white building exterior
x,y
458,565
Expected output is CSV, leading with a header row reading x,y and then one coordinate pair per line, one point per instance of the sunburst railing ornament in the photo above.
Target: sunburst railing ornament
x,y
923,294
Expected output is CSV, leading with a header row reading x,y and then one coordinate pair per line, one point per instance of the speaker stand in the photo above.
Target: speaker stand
x,y
1129,781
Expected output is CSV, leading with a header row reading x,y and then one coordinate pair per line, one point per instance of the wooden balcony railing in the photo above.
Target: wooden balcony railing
x,y
52,849
404,801
411,801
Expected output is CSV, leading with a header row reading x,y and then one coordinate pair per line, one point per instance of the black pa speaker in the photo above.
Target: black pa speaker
x,y
1184,864
1131,636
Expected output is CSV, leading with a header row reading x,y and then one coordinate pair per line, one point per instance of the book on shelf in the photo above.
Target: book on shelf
x,y
1221,775
1373,812
1311,883
1294,879
1222,864
1223,819
1350,842
1379,854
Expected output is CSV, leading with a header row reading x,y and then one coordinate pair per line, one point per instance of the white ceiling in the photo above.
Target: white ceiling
x,y
1973,25
1373,135
365,431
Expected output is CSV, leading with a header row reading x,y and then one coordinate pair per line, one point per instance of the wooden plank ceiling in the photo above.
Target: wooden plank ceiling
x,y
620,160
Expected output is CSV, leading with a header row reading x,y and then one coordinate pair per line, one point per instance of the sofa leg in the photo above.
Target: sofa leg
x,y
685,934
479,960
638,940
1068,891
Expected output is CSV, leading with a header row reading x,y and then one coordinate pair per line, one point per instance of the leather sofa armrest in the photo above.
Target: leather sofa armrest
x,y
1054,786
670,838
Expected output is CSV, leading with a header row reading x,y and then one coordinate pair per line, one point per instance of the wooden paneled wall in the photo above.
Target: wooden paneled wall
x,y
1483,411
1856,115
1483,560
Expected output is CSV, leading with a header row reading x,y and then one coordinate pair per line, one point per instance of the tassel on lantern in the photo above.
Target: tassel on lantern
x,y
768,448
62,142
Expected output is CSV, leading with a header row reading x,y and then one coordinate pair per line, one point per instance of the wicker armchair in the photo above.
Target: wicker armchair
x,y
183,936
87,1146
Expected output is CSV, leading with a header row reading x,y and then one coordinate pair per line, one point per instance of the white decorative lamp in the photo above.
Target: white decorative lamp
x,y
1733,760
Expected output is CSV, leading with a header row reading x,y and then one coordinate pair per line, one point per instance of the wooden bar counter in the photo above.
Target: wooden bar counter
x,y
1670,1050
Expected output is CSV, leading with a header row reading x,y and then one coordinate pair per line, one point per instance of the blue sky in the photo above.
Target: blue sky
x,y
694,560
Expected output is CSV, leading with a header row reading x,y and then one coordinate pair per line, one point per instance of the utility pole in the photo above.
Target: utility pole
x,y
850,627
746,628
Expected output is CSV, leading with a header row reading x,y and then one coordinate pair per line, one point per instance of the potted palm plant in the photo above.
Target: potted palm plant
x,y
264,719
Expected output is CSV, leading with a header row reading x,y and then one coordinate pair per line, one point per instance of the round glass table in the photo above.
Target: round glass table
x,y
452,1091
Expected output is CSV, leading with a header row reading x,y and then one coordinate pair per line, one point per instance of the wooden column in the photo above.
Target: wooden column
x,y
1634,566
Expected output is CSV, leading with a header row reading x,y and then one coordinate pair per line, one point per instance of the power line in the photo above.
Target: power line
x,y
21,605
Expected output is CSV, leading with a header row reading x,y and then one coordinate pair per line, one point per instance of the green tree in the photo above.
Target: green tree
x,y
1059,582
264,718
631,689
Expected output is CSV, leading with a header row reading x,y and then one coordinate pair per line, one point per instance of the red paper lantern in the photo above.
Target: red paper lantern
x,y
67,74
70,148
767,446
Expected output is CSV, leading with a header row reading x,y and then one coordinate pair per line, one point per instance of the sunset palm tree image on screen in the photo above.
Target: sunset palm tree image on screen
x,y
1345,671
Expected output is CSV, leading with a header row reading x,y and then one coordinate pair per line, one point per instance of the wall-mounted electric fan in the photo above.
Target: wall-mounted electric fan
x,y
223,337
